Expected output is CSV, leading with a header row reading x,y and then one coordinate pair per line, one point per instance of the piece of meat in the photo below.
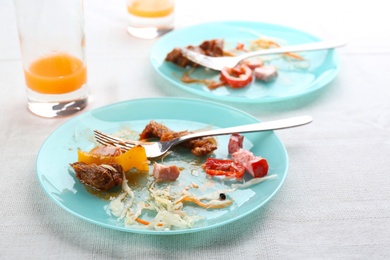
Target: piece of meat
x,y
100,177
176,57
212,48
235,143
165,173
265,73
255,165
154,129
253,64
242,156
106,151
199,147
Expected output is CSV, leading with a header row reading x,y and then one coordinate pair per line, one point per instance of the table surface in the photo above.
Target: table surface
x,y
335,202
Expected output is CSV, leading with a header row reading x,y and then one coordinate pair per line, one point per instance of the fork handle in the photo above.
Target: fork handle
x,y
257,127
313,46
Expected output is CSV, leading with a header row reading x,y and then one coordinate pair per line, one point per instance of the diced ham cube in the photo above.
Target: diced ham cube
x,y
242,156
165,173
255,165
265,73
235,143
253,64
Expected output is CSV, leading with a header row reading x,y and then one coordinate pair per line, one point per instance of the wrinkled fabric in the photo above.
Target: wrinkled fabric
x,y
335,202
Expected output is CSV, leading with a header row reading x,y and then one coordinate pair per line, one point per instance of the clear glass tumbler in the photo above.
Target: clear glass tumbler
x,y
149,19
52,42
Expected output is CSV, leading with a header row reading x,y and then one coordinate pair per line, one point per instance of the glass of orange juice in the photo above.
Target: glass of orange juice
x,y
52,42
149,19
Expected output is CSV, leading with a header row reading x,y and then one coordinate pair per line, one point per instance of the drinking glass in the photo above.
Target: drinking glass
x,y
52,43
149,19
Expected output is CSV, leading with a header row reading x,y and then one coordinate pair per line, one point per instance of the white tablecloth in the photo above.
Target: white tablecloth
x,y
335,203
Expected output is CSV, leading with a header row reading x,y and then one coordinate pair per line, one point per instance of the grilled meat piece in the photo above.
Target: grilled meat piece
x,y
176,57
199,147
100,177
154,129
213,48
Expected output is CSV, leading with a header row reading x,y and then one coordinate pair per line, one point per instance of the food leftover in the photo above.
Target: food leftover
x,y
241,75
163,200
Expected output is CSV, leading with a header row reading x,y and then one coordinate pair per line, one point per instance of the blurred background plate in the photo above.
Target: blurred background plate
x,y
294,78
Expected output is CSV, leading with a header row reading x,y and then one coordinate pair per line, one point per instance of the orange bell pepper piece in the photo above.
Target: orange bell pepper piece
x,y
133,158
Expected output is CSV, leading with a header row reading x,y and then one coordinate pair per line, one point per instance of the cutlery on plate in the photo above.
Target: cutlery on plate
x,y
157,149
218,63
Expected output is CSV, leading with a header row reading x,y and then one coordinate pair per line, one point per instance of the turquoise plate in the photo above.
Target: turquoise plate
x,y
59,182
293,80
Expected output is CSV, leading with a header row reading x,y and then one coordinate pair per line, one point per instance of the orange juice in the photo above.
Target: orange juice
x,y
150,8
57,73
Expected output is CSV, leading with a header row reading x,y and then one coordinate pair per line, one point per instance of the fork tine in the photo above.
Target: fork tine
x,y
113,141
122,147
196,57
215,63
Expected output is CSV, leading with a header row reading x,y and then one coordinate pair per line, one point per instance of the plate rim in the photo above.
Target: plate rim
x,y
314,86
148,231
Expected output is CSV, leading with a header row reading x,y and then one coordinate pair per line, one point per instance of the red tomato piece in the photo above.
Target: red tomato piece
x,y
219,167
258,167
237,77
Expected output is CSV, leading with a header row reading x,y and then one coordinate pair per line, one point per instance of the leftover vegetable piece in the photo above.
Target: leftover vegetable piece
x,y
237,77
145,222
133,158
254,181
262,43
207,204
255,165
90,157
223,167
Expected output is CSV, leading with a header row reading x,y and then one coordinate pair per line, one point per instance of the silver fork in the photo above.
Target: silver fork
x,y
218,63
157,149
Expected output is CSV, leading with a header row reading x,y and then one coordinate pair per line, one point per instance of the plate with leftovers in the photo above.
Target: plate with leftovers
x,y
263,79
202,184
